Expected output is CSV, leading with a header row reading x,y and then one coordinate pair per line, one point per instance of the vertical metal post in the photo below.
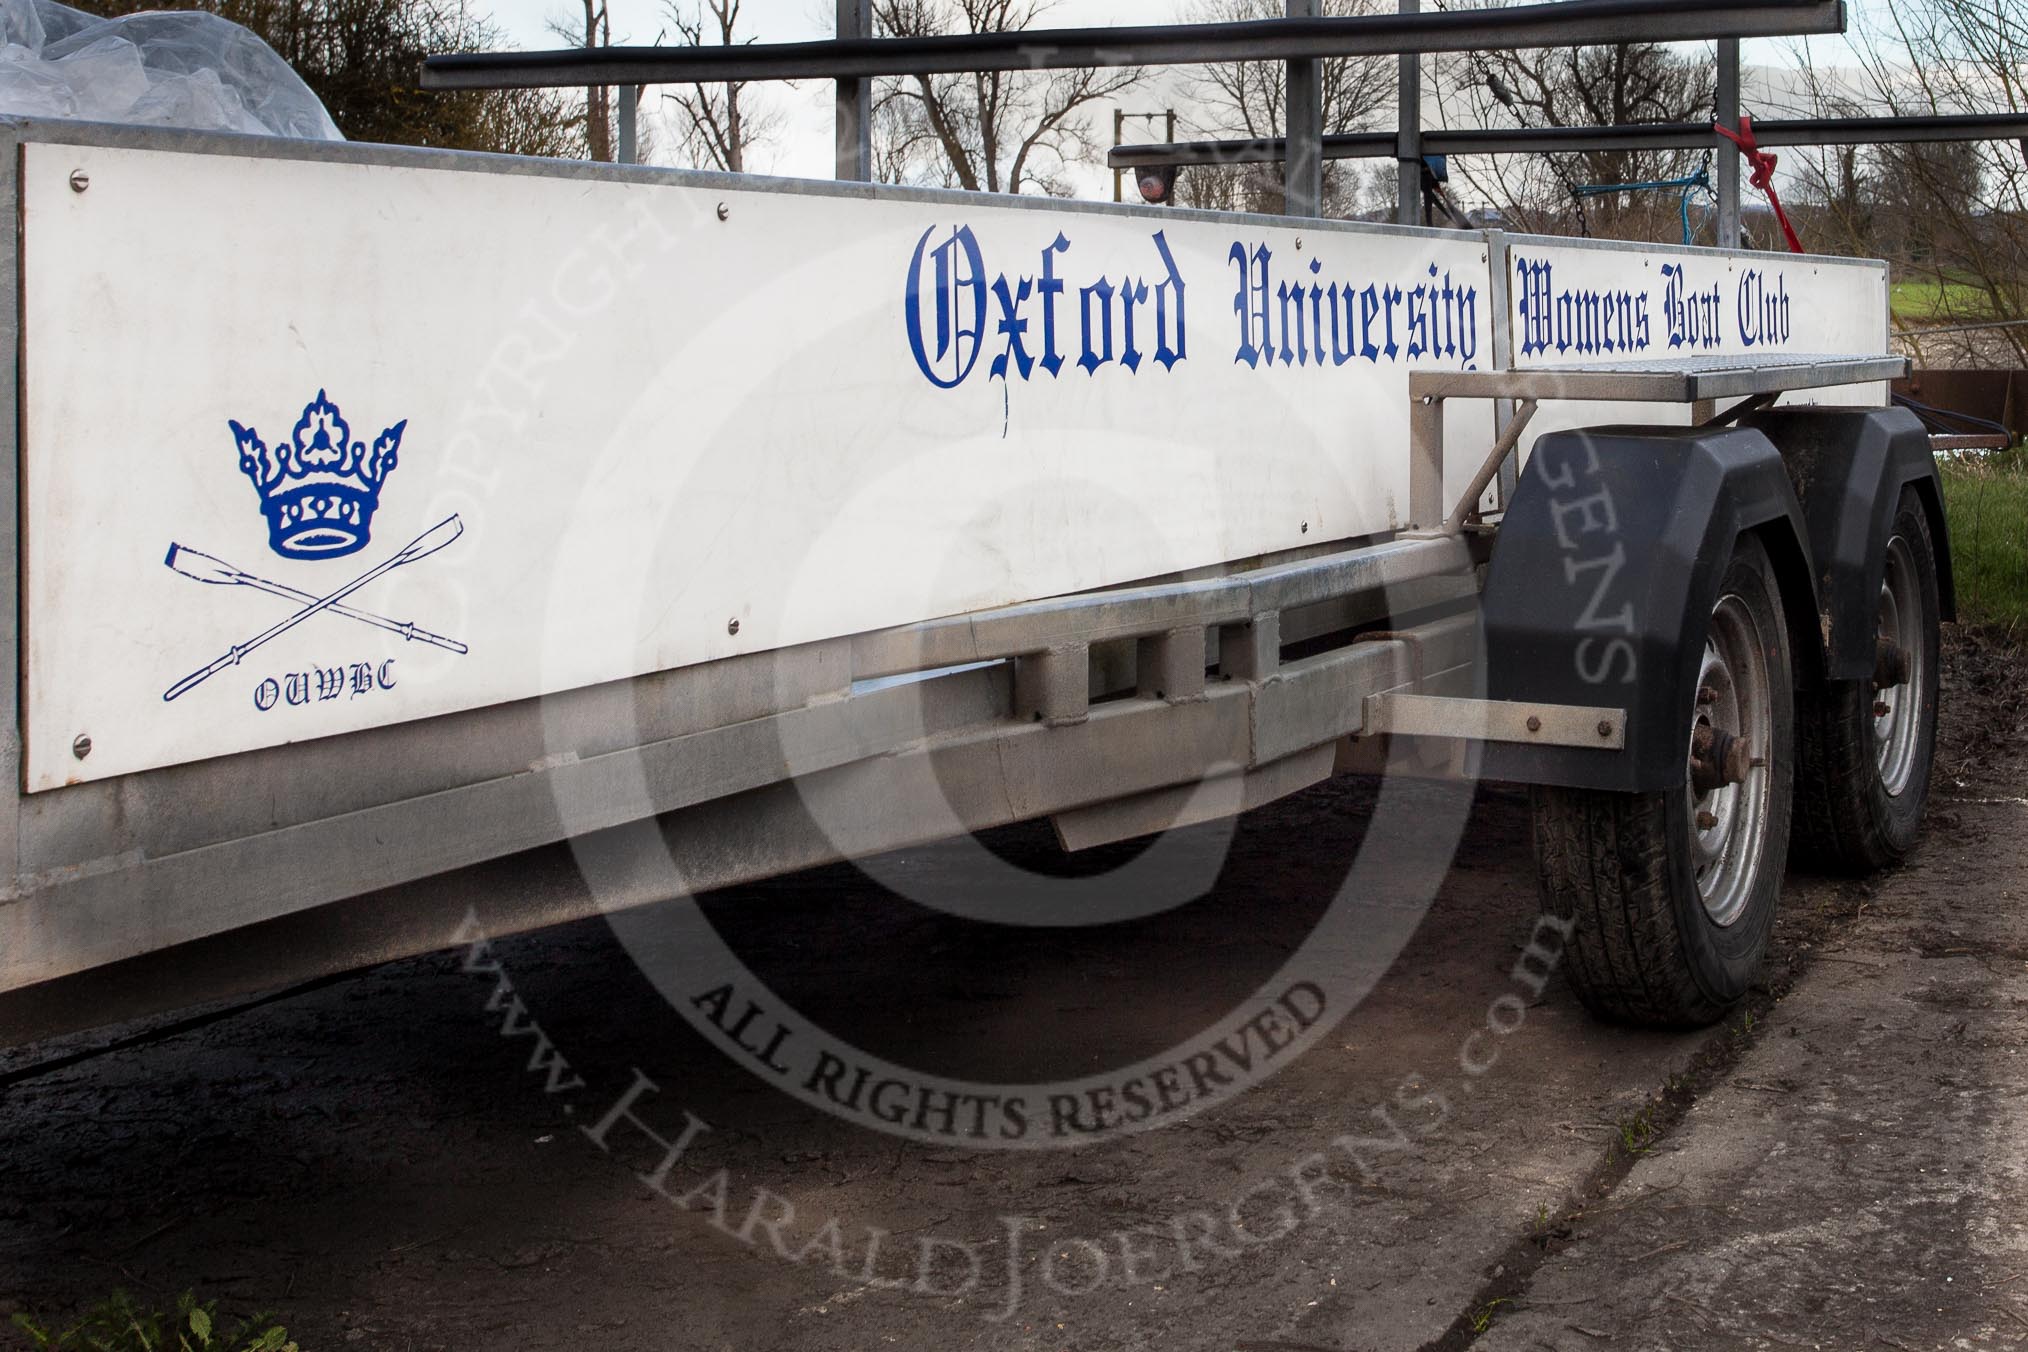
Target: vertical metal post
x,y
1408,132
630,133
855,100
1728,154
1303,171
10,521
1119,139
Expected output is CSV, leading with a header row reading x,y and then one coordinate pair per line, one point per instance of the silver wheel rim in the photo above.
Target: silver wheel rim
x,y
1898,708
1733,696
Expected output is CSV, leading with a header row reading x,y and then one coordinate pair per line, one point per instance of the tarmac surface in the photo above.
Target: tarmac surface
x,y
464,1150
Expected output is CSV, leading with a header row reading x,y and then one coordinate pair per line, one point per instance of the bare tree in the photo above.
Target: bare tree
x,y
363,58
1578,86
596,31
997,131
719,124
1250,99
1954,216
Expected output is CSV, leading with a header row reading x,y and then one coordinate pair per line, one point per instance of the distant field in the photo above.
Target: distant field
x,y
1931,300
1986,504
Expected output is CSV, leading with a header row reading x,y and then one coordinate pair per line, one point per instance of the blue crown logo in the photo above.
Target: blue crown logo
x,y
319,489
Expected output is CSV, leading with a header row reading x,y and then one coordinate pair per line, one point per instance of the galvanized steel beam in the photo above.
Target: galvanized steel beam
x,y
855,98
1556,24
1303,175
1802,131
1408,148
1728,163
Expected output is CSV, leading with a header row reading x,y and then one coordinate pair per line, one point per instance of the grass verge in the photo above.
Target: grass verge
x,y
1932,300
1986,506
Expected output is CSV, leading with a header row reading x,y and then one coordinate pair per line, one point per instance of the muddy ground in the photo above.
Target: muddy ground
x,y
1845,1164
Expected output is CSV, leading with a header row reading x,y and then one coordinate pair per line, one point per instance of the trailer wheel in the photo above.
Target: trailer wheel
x,y
1864,747
1670,896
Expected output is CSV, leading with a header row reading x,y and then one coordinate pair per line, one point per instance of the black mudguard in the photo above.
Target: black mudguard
x,y
1602,580
1849,466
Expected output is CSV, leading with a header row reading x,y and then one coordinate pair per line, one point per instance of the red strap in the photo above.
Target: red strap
x,y
1763,162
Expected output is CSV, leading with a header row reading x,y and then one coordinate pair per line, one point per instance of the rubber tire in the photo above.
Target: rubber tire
x,y
1846,821
1616,868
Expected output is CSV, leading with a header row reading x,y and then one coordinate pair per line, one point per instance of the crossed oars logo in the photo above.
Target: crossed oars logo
x,y
202,567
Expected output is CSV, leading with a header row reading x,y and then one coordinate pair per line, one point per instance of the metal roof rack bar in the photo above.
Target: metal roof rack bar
x,y
1555,24
1555,140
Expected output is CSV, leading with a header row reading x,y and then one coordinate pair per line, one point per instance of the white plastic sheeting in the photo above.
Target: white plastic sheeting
x,y
183,68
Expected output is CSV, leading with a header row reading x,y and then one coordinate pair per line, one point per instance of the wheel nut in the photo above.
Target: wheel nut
x,y
1880,708
1706,819
1706,695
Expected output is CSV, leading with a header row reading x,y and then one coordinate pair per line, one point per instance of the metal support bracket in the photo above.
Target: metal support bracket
x,y
1678,381
1053,686
1493,720
1170,666
1251,651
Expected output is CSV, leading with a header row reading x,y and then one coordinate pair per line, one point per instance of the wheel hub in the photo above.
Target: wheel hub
x,y
1900,677
1727,784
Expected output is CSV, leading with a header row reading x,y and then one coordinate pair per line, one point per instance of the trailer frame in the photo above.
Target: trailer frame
x,y
1097,710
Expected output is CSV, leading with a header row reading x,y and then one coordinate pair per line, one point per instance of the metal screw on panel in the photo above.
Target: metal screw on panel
x,y
79,180
1306,528
1534,723
1605,729
82,747
724,212
732,626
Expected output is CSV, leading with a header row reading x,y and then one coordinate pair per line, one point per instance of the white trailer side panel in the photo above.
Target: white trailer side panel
x,y
1602,303
636,426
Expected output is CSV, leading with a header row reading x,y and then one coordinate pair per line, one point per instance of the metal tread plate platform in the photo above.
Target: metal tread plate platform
x,y
1685,380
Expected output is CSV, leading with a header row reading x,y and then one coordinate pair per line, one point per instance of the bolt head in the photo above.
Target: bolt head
x,y
724,212
732,626
1880,708
79,180
1605,727
1534,723
1706,819
81,747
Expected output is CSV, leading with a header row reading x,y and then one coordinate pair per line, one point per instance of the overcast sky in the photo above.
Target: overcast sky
x,y
804,147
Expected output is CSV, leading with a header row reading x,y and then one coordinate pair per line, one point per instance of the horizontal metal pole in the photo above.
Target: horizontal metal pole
x,y
1829,131
1556,24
